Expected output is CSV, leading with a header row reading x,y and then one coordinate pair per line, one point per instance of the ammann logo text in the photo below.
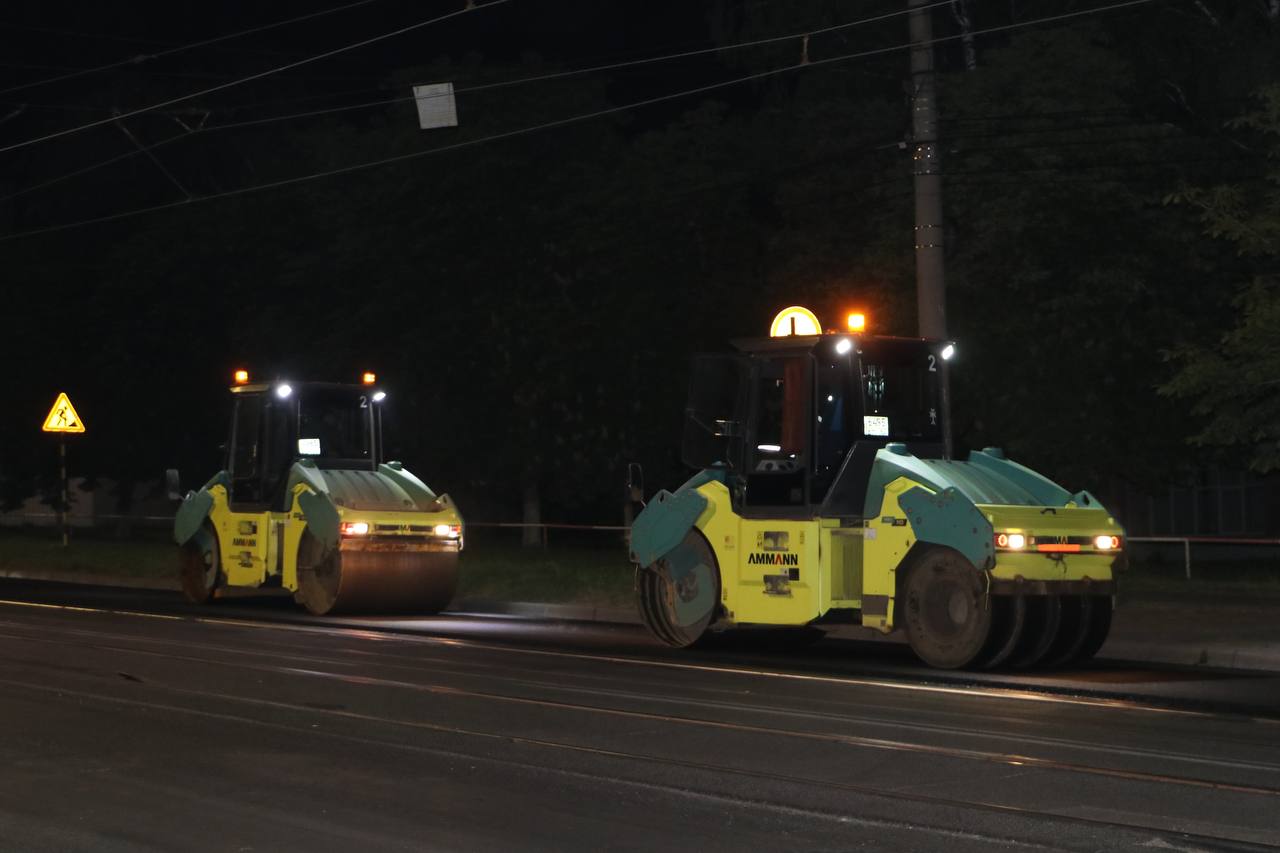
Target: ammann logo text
x,y
755,559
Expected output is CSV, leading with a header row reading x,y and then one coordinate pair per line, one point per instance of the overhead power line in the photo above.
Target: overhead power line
x,y
594,69
385,161
138,59
259,75
80,34
479,87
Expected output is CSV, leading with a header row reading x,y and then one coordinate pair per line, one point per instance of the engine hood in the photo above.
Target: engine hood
x,y
367,491
388,489
986,478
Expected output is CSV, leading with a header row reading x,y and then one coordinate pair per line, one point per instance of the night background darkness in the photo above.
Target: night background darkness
x,y
531,302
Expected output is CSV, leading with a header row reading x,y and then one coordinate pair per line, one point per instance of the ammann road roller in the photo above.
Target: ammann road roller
x,y
825,492
305,503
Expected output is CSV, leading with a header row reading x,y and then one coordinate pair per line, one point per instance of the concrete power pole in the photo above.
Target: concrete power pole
x,y
931,290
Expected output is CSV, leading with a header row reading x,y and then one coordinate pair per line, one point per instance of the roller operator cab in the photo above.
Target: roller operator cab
x,y
824,493
304,503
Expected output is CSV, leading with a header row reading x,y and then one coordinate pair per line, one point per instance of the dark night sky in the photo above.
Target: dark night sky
x,y
718,209
39,40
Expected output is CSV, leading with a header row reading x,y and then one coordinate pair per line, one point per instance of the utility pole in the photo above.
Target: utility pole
x,y
926,165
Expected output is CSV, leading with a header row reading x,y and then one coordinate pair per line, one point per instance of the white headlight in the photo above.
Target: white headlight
x,y
843,346
1012,541
283,391
948,351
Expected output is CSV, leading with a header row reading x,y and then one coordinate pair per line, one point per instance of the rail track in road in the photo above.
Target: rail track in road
x,y
450,660
1007,758
1027,687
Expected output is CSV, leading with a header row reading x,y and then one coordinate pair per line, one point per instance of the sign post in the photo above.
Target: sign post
x,y
62,419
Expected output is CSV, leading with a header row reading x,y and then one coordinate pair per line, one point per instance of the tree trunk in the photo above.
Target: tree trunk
x,y
960,10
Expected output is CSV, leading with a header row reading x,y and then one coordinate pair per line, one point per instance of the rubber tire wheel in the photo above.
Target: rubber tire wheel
x,y
1044,612
655,596
198,569
1073,630
1008,620
1099,627
945,610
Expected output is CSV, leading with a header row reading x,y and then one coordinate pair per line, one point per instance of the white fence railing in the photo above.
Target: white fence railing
x,y
1187,541
15,519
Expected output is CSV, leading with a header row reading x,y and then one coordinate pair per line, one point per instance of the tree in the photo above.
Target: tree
x,y
1234,382
1068,275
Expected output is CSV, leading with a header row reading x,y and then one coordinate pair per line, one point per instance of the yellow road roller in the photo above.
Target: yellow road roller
x,y
306,504
826,492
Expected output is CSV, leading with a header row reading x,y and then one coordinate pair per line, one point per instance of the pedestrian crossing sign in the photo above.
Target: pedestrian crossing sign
x,y
63,417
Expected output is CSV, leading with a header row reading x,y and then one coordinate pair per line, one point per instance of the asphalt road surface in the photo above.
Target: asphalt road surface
x,y
133,722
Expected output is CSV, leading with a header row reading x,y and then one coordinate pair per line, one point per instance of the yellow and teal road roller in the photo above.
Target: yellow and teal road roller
x,y
825,493
305,504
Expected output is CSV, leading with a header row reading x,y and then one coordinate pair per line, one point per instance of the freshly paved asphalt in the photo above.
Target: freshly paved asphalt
x,y
134,722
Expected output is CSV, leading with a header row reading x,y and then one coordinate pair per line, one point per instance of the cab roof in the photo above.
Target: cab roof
x,y
803,343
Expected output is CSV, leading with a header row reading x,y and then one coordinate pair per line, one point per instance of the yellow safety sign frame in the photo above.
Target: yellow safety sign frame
x,y
63,417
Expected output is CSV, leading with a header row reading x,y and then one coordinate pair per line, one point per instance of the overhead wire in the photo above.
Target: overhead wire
x,y
80,34
594,69
400,158
479,87
199,75
557,75
135,60
259,75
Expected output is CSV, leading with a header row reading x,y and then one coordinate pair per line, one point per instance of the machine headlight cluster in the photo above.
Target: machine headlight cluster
x,y
1008,541
1012,541
447,531
354,528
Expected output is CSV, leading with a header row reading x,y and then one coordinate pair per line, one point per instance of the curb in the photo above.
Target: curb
x,y
1262,658
90,579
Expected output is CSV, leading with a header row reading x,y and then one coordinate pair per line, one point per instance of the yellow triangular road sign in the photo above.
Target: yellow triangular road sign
x,y
63,417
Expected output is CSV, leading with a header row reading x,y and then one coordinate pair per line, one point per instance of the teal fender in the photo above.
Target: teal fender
x,y
195,508
318,509
663,523
950,519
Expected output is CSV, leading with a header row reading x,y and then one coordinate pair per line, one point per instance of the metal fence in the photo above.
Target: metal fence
x,y
1187,541
50,519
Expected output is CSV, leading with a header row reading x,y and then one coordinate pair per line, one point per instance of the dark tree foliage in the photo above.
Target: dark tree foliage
x,y
531,302
1233,382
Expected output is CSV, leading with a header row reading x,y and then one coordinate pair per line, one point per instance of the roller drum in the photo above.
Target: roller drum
x,y
379,580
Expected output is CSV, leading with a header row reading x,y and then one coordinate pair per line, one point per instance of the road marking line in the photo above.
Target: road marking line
x,y
404,664
400,636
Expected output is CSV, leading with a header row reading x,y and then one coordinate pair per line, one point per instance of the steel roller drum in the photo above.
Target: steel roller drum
x,y
380,578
